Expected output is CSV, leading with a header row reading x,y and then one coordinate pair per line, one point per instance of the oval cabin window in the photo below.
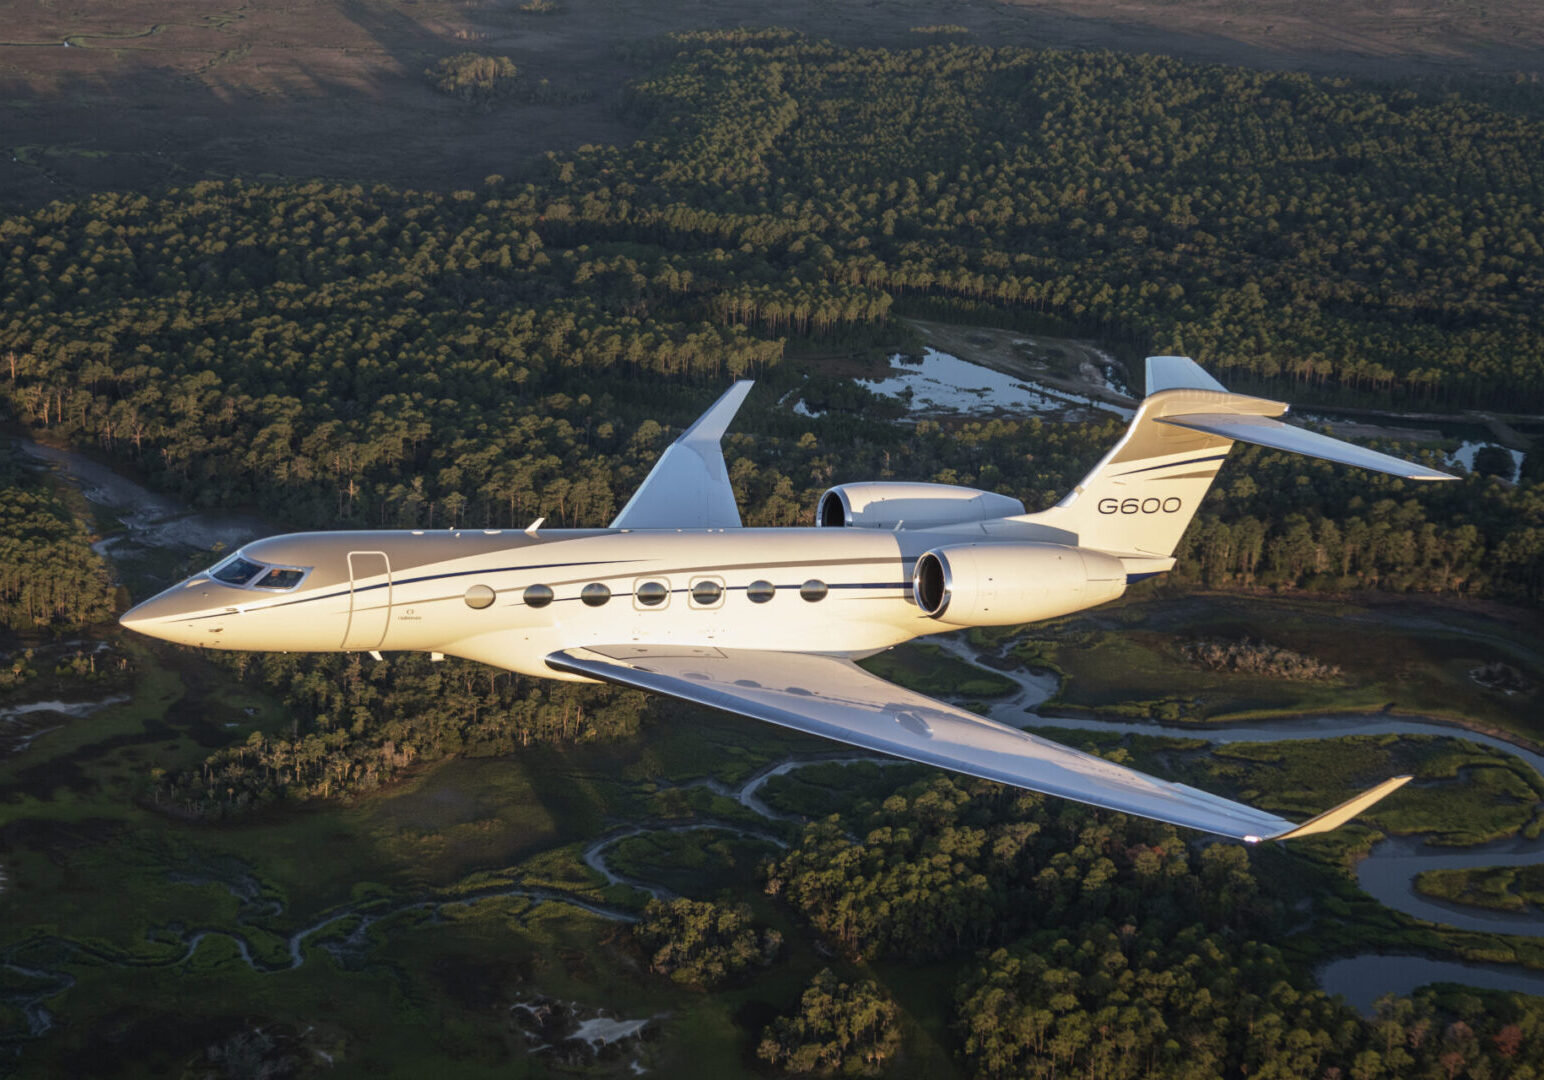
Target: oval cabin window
x,y
707,593
594,595
537,596
479,597
652,593
760,591
813,590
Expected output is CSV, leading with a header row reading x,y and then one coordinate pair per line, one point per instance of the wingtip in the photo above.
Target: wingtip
x,y
1338,816
711,425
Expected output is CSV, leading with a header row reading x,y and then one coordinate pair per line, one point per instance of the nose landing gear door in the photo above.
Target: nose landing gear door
x,y
369,599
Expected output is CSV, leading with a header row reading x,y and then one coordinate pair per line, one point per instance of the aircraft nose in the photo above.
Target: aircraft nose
x,y
134,618
165,616
143,616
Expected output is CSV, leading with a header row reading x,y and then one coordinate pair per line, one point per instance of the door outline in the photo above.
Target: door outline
x,y
367,623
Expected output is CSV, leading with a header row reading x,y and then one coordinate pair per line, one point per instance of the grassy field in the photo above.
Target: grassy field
x,y
420,942
1403,655
1504,888
420,969
927,669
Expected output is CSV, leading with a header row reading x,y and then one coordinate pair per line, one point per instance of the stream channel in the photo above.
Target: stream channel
x,y
154,521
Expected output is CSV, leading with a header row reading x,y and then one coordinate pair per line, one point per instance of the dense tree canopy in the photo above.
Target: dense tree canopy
x,y
839,1028
355,725
337,354
703,944
1103,945
48,573
1286,228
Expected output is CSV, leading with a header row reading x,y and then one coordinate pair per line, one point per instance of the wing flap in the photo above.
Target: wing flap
x,y
689,488
836,699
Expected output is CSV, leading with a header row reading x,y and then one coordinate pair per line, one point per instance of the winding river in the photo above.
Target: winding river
x,y
1387,874
150,520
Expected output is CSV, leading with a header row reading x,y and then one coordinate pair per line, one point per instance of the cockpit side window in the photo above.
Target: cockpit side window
x,y
236,570
248,574
280,577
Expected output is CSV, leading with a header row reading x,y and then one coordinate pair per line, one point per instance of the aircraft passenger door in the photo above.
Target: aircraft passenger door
x,y
369,599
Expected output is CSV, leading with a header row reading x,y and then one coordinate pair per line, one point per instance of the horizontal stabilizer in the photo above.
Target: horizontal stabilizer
x,y
1334,819
1264,431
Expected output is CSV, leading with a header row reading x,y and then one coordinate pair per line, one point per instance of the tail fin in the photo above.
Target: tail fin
x,y
1138,500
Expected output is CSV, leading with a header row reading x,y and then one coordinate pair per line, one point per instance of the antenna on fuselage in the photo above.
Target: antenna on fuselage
x,y
530,530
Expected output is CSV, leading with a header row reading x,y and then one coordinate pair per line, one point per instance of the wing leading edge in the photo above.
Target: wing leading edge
x,y
836,699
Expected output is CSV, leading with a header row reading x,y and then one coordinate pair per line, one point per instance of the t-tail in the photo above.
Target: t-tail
x,y
1137,501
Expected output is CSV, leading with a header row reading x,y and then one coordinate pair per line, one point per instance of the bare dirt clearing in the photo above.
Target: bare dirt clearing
x,y
1376,38
139,94
1067,364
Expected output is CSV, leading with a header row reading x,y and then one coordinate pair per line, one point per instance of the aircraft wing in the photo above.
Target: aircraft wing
x,y
688,488
836,699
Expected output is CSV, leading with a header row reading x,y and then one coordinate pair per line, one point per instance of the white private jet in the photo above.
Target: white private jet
x,y
677,598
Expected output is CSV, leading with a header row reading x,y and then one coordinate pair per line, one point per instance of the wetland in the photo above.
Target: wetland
x,y
554,850
339,866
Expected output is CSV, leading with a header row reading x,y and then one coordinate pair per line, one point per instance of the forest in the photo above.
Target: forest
x,y
1082,944
50,579
351,355
343,356
348,355
356,725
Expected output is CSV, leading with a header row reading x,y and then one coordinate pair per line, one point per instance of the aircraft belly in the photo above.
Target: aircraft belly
x,y
517,649
836,624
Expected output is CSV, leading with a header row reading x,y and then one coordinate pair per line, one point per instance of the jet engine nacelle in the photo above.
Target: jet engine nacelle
x,y
1004,584
882,505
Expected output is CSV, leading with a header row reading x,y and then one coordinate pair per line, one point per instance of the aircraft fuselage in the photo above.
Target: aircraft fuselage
x,y
484,594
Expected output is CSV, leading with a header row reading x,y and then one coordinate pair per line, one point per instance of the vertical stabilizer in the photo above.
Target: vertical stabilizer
x,y
1179,373
1139,499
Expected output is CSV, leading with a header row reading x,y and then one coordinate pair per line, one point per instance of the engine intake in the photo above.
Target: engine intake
x,y
884,505
1004,584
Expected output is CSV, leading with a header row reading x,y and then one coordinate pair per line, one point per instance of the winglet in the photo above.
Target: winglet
x,y
709,428
1334,819
689,486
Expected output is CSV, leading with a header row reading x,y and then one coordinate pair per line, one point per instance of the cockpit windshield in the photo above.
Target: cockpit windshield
x,y
236,571
245,573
